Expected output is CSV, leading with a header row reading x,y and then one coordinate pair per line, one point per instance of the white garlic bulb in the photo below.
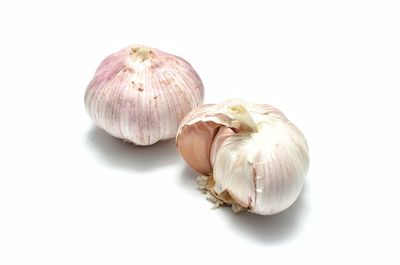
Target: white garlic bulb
x,y
141,94
250,155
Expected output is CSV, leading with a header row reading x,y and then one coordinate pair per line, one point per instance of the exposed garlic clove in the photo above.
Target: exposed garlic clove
x,y
279,180
195,147
200,129
141,94
258,159
233,171
220,137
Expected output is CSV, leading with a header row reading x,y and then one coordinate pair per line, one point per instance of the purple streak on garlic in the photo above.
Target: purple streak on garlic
x,y
141,94
250,155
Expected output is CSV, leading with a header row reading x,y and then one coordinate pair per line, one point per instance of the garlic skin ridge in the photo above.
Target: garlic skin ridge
x,y
141,94
253,157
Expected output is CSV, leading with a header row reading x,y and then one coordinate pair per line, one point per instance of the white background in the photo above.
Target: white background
x,y
71,194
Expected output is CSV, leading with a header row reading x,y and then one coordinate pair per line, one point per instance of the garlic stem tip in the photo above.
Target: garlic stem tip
x,y
240,113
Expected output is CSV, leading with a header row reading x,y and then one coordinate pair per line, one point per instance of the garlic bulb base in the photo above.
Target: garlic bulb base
x,y
134,144
206,186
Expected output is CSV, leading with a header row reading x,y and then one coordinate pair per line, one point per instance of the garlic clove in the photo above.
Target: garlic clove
x,y
199,128
195,147
280,165
222,134
141,94
233,171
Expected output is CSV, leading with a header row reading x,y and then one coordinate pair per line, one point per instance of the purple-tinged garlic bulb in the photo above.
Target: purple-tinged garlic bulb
x,y
249,155
141,94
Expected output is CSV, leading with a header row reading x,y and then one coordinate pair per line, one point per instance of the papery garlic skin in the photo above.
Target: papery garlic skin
x,y
141,94
258,159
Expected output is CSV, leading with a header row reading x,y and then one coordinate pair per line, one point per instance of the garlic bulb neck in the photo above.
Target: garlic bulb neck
x,y
242,115
143,53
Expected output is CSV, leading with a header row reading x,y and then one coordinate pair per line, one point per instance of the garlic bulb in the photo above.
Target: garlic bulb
x,y
250,155
141,94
